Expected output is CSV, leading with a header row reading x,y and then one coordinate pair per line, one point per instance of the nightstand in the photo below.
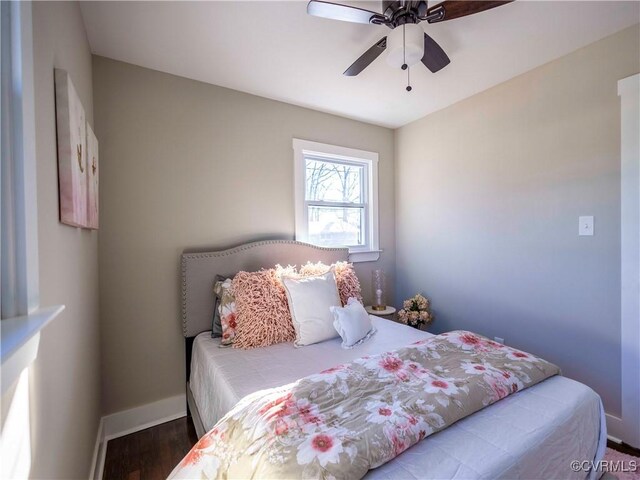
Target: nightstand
x,y
389,313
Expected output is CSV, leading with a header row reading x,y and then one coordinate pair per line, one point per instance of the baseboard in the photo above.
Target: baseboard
x,y
133,420
614,439
128,421
614,428
96,463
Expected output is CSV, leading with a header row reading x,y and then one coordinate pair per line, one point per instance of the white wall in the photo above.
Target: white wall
x,y
488,194
185,164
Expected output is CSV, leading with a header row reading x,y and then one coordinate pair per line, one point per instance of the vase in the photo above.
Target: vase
x,y
378,290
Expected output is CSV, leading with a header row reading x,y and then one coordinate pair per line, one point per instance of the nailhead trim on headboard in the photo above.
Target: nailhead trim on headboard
x,y
234,251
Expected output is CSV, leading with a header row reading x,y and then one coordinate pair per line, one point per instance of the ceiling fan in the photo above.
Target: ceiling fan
x,y
407,43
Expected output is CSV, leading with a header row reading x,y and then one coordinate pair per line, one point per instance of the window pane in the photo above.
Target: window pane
x,y
336,226
333,182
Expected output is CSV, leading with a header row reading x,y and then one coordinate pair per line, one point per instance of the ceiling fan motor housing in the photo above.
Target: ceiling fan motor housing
x,y
401,13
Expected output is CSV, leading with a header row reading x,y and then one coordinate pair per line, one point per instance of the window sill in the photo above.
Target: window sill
x,y
364,256
19,339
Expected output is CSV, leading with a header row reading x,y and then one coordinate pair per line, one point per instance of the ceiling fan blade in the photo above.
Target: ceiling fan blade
x,y
434,57
345,13
450,9
366,58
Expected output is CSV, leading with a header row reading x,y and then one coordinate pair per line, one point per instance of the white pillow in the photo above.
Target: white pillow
x,y
352,323
309,301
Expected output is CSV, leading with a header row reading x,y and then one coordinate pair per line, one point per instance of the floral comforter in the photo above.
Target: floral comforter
x,y
342,422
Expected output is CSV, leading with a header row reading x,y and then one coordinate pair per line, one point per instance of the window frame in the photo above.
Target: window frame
x,y
22,317
304,149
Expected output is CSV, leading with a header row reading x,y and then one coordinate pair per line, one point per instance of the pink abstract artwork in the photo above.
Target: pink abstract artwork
x,y
92,179
72,152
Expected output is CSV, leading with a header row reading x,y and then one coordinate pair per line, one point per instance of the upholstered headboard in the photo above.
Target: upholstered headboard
x,y
200,269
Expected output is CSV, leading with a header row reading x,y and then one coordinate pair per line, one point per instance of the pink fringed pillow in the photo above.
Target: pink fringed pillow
x,y
263,316
346,279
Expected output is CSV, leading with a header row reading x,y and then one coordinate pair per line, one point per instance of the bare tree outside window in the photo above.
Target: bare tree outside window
x,y
334,194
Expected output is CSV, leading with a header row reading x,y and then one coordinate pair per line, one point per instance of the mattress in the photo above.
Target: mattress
x,y
535,433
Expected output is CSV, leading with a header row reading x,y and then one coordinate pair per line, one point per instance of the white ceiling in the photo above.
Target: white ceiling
x,y
276,50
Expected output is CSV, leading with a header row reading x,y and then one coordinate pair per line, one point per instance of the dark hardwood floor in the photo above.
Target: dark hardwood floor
x,y
149,454
623,448
152,453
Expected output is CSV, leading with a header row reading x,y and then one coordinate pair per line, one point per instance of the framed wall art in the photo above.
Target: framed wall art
x,y
72,152
92,179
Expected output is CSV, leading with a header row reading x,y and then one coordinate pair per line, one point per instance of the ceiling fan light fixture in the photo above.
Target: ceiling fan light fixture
x,y
405,45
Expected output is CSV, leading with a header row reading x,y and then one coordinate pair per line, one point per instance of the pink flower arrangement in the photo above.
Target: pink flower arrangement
x,y
416,311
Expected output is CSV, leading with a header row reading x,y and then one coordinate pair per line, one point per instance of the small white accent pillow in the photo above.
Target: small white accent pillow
x,y
352,323
310,299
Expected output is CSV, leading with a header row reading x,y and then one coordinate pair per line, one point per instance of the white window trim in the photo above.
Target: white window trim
x,y
22,317
302,148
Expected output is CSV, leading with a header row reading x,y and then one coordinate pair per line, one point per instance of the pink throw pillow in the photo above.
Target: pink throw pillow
x,y
263,316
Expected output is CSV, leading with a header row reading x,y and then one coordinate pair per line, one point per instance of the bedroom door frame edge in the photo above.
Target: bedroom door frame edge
x,y
628,428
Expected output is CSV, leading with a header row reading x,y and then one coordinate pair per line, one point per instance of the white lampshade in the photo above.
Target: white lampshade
x,y
413,42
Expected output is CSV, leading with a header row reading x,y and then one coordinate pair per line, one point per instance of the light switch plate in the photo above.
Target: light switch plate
x,y
585,226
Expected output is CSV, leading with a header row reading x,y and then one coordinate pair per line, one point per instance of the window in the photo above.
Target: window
x,y
336,198
22,317
19,237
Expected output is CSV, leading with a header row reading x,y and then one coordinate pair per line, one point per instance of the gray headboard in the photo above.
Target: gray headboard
x,y
200,269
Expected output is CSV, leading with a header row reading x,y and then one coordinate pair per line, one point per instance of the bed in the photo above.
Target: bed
x,y
535,433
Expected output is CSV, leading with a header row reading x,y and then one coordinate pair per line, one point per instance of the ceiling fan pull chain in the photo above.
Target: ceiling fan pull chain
x,y
404,58
404,49
404,46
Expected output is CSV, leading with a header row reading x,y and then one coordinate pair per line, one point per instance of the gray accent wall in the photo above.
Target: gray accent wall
x,y
65,378
186,164
488,194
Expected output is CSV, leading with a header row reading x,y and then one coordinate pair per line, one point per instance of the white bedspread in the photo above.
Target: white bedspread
x,y
535,433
